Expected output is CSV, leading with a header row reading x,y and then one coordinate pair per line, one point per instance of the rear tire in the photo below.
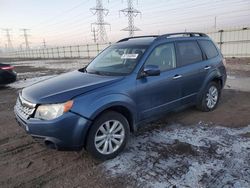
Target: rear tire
x,y
108,135
210,97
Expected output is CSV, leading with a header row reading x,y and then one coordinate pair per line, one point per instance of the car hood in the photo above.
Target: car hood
x,y
65,87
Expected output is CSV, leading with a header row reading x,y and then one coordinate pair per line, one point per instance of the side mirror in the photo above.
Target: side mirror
x,y
150,70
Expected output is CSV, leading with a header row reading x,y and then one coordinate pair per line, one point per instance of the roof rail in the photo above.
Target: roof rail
x,y
190,34
126,39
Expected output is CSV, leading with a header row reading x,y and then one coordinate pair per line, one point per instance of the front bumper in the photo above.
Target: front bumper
x,y
67,132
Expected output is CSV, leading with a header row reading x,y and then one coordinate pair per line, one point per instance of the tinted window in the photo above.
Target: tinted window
x,y
189,52
163,56
208,48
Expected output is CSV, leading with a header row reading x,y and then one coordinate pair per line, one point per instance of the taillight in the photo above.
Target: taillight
x,y
7,68
224,62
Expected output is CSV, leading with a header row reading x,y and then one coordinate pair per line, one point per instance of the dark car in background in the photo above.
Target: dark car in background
x,y
131,82
7,74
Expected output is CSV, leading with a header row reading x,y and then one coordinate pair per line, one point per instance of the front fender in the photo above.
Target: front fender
x,y
90,108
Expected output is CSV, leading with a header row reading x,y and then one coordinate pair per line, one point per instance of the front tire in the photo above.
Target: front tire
x,y
210,97
108,135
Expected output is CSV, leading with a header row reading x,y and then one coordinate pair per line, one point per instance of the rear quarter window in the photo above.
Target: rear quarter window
x,y
188,52
209,48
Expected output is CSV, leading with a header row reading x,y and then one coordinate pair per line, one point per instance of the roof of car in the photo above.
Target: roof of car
x,y
148,39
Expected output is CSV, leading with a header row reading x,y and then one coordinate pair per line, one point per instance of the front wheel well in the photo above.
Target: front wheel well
x,y
124,111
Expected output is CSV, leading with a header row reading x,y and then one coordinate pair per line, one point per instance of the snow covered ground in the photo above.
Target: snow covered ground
x,y
28,78
64,64
181,156
238,83
21,83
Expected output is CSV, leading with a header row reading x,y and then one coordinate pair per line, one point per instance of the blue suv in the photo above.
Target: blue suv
x,y
131,82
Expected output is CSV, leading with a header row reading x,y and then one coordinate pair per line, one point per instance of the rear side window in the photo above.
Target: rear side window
x,y
208,48
188,52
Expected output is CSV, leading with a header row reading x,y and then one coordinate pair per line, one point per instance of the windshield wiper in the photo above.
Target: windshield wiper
x,y
95,72
102,73
83,70
89,72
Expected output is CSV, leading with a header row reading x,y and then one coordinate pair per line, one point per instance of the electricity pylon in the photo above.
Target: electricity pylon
x,y
130,12
25,35
101,12
9,43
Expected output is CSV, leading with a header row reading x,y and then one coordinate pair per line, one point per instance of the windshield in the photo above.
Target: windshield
x,y
116,60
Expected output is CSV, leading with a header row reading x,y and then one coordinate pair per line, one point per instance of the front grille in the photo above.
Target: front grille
x,y
24,108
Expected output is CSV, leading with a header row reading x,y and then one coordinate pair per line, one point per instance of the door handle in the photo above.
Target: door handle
x,y
207,67
177,76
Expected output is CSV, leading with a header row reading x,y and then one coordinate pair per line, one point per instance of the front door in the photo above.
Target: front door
x,y
158,94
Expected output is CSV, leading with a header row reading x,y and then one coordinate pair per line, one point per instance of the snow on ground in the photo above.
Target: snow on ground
x,y
29,81
28,78
181,156
238,83
70,64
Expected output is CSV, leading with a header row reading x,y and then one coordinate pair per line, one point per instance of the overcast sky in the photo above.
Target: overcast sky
x,y
64,22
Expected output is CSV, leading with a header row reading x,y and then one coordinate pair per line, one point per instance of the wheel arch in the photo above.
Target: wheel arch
x,y
214,76
217,80
122,109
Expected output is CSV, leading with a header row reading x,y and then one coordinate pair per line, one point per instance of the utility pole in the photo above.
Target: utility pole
x,y
9,43
130,12
25,35
94,35
100,12
44,43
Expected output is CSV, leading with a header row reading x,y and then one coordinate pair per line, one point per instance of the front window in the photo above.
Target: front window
x,y
163,56
116,60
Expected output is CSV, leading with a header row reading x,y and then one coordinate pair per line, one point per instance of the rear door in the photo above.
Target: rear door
x,y
193,69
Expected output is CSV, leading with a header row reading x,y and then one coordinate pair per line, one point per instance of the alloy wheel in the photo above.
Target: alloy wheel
x,y
109,137
212,97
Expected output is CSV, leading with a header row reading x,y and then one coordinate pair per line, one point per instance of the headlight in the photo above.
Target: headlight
x,y
52,111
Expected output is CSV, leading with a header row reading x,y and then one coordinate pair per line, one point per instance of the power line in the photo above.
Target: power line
x,y
25,35
79,23
187,11
130,12
9,43
61,14
100,11
162,21
193,20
